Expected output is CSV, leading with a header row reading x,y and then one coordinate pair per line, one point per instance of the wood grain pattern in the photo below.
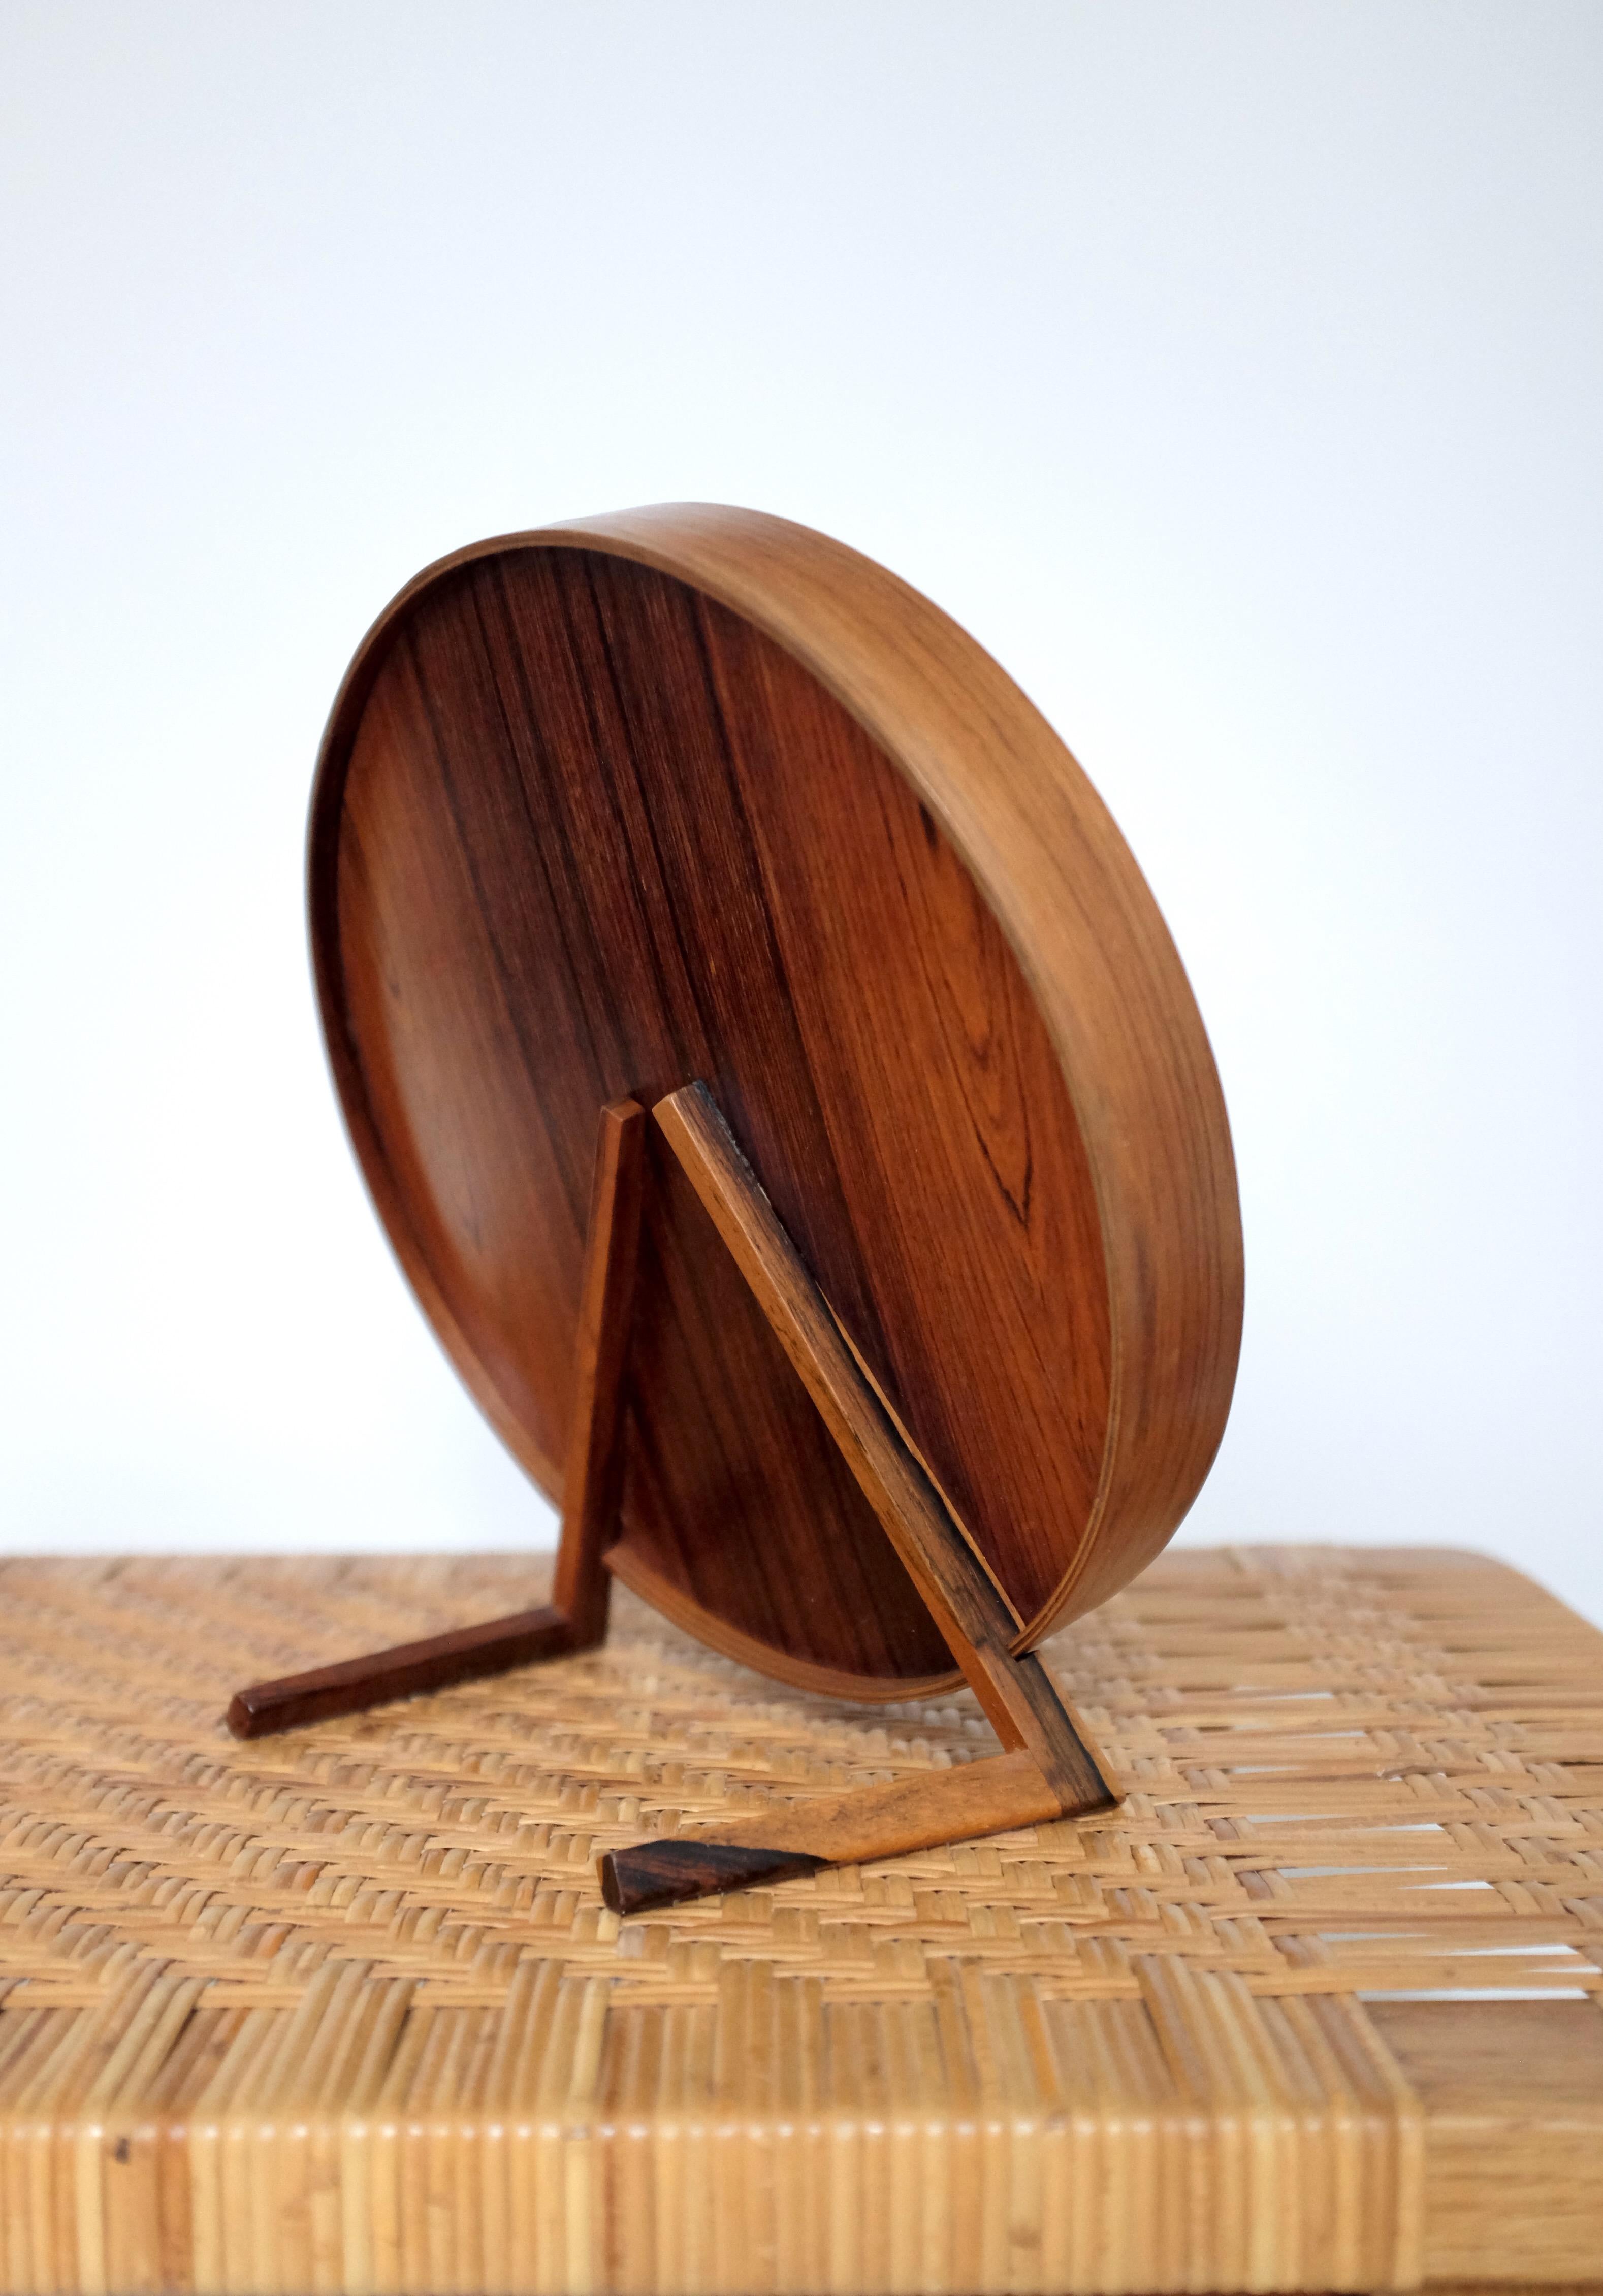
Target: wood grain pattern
x,y
1513,2103
699,794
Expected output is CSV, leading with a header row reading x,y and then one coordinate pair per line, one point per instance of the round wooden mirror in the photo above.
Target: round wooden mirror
x,y
690,792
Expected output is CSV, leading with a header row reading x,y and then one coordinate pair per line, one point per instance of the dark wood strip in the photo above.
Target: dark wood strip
x,y
354,1684
595,1476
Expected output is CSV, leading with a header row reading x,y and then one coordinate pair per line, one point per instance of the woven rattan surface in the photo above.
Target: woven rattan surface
x,y
343,2010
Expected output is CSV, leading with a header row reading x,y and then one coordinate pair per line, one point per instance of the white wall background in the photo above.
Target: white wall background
x,y
1233,372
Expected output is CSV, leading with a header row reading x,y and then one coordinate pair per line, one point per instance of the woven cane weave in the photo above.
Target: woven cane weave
x,y
343,2011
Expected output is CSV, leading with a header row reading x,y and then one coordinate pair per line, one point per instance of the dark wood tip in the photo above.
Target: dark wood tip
x,y
667,1872
266,1708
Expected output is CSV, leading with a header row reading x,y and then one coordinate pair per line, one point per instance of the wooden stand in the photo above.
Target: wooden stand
x,y
1045,1771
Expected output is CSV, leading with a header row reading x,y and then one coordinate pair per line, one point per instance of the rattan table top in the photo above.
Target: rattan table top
x,y
343,2010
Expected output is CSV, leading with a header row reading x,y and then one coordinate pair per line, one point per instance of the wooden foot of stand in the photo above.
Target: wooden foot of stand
x,y
576,1617
1045,1771
848,1829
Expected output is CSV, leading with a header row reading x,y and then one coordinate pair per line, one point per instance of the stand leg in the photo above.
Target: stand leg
x,y
577,1615
593,1483
1049,1771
